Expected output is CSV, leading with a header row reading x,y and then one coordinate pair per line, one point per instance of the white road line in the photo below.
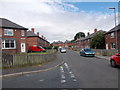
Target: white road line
x,y
70,72
66,65
61,69
41,80
63,81
74,80
72,75
63,76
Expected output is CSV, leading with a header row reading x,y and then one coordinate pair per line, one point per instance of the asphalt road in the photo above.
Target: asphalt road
x,y
76,72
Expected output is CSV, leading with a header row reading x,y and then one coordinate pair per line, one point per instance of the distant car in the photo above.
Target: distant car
x,y
87,52
62,50
115,60
35,48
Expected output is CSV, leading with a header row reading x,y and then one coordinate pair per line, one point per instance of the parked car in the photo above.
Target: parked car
x,y
87,52
62,50
36,49
115,60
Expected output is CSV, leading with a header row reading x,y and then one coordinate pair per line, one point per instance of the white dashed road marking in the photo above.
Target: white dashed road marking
x,y
63,78
72,75
66,65
74,80
61,69
41,80
63,81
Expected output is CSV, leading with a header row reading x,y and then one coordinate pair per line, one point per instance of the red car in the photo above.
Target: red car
x,y
36,49
115,60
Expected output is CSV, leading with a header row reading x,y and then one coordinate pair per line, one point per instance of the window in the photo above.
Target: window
x,y
8,44
112,35
8,32
22,33
112,45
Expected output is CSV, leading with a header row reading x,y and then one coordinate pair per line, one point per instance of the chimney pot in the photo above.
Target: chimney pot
x,y
88,34
38,33
32,29
95,30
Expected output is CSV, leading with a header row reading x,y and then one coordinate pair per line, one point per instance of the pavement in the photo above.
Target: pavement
x,y
32,69
103,57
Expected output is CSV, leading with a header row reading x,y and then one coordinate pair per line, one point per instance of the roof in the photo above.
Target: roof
x,y
31,34
117,28
59,42
5,23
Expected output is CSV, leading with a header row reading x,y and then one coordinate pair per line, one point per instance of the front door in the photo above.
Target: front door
x,y
23,47
106,46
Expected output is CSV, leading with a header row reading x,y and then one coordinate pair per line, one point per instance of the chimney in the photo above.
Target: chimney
x,y
42,36
32,29
88,34
38,33
95,30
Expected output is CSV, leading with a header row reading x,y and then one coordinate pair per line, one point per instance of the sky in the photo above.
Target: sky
x,y
60,19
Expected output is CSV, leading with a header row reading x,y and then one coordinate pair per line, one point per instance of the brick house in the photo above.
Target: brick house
x,y
63,44
85,42
59,43
68,43
14,37
110,38
35,39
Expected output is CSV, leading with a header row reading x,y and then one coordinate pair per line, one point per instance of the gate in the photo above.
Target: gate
x,y
7,60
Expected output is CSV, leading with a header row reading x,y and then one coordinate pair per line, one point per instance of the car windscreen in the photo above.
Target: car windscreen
x,y
87,50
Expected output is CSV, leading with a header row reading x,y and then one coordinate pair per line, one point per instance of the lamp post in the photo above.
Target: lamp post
x,y
113,8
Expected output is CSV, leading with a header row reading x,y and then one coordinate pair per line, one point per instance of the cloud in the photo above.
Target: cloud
x,y
54,19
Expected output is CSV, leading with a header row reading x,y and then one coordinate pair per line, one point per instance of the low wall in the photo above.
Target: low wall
x,y
104,52
20,60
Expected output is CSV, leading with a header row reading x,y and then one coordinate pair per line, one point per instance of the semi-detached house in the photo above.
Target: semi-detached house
x,y
13,37
110,38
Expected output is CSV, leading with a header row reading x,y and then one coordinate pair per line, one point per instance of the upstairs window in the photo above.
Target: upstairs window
x,y
112,35
22,33
8,32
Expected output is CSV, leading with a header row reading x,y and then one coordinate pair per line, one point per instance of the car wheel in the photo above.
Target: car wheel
x,y
80,54
113,63
84,55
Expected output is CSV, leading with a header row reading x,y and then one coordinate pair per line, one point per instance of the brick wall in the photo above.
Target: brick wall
x,y
32,41
119,40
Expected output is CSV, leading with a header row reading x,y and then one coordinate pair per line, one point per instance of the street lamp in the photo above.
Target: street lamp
x,y
113,8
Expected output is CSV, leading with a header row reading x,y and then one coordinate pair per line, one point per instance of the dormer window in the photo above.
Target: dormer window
x,y
8,32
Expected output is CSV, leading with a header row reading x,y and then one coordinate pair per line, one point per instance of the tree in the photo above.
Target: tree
x,y
98,41
79,35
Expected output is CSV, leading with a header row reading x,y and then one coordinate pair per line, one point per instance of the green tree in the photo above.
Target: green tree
x,y
79,35
98,41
